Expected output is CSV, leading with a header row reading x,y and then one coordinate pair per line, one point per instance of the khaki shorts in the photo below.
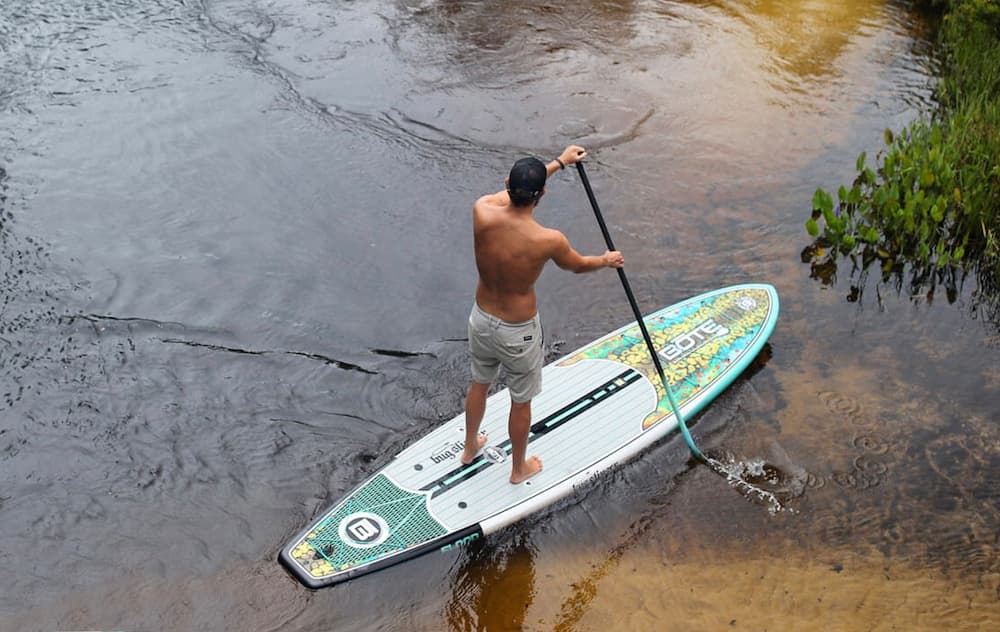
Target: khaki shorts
x,y
515,346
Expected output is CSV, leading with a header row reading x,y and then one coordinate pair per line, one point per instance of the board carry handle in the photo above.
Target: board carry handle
x,y
638,317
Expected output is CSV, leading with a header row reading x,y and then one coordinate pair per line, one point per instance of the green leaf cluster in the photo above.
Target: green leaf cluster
x,y
932,198
910,205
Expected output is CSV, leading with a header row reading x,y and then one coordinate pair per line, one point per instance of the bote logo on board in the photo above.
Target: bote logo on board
x,y
363,530
686,343
448,452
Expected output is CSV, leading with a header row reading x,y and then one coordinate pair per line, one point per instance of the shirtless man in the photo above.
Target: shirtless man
x,y
504,328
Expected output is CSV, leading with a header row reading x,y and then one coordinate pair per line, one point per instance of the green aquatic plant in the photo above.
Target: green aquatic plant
x,y
931,201
910,206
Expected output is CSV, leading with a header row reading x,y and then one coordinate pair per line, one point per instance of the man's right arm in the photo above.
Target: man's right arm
x,y
567,258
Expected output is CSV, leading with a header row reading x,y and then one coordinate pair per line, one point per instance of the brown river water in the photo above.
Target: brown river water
x,y
237,266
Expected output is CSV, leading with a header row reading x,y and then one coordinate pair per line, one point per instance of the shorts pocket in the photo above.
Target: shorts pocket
x,y
522,346
517,340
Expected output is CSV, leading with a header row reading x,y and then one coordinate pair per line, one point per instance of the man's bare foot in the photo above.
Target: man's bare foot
x,y
532,466
466,457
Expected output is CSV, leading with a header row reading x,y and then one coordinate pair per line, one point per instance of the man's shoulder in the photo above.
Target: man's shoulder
x,y
553,235
492,200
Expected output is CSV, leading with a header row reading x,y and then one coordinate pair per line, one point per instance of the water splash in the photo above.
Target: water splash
x,y
749,478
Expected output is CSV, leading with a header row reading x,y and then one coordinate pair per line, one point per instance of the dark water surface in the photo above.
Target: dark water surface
x,y
236,268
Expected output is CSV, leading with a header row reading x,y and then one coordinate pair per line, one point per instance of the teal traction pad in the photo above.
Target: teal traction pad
x,y
404,512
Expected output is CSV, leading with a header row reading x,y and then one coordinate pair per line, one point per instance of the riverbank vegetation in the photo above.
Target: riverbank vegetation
x,y
930,203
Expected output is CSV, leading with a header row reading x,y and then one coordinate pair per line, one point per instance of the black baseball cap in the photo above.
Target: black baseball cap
x,y
527,179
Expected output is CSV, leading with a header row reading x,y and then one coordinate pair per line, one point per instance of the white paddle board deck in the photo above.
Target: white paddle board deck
x,y
599,406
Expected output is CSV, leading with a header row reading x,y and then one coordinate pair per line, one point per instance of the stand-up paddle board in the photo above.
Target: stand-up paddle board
x,y
600,405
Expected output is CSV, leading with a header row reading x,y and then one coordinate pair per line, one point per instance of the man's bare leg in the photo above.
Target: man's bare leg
x,y
518,426
475,408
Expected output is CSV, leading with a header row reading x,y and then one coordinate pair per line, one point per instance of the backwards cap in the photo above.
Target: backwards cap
x,y
527,179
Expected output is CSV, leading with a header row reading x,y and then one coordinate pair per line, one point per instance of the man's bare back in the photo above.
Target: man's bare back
x,y
511,250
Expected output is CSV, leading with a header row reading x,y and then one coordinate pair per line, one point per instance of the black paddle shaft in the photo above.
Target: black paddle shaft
x,y
638,318
621,275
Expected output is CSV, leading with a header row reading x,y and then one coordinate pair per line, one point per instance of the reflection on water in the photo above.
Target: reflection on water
x,y
232,237
799,37
494,587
